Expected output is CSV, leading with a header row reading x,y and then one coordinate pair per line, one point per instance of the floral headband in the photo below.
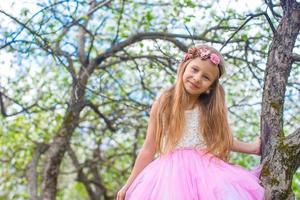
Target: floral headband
x,y
203,53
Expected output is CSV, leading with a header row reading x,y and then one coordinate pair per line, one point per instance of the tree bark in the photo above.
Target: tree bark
x,y
277,155
61,141
32,173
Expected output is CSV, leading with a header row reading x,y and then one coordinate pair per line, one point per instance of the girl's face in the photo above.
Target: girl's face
x,y
199,75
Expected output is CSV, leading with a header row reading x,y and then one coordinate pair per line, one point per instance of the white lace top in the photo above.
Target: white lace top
x,y
191,136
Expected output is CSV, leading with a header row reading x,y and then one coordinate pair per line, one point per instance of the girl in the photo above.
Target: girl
x,y
189,130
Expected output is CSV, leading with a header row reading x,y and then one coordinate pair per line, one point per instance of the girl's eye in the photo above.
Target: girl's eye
x,y
194,69
206,78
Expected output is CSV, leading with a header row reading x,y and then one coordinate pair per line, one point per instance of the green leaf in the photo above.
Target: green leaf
x,y
244,37
149,16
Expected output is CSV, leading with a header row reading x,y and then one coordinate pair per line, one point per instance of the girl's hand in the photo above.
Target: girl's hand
x,y
122,192
257,146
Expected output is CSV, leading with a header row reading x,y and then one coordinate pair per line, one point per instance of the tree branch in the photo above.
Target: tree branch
x,y
143,36
3,109
81,42
295,57
119,22
97,111
32,170
81,176
271,6
249,19
292,141
42,42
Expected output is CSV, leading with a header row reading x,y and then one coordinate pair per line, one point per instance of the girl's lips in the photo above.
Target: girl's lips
x,y
193,85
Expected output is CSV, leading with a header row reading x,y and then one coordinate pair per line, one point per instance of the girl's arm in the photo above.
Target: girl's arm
x,y
249,148
147,152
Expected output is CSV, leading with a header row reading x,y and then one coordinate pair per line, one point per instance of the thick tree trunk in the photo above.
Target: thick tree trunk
x,y
278,156
60,143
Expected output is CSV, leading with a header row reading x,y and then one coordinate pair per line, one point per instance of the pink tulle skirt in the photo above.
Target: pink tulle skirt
x,y
189,174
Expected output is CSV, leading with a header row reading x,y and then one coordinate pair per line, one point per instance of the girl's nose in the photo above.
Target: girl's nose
x,y
197,78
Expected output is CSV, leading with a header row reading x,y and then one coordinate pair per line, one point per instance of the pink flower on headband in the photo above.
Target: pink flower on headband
x,y
204,53
187,56
192,50
214,58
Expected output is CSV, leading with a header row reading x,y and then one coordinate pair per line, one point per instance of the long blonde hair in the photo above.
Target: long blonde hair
x,y
213,119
